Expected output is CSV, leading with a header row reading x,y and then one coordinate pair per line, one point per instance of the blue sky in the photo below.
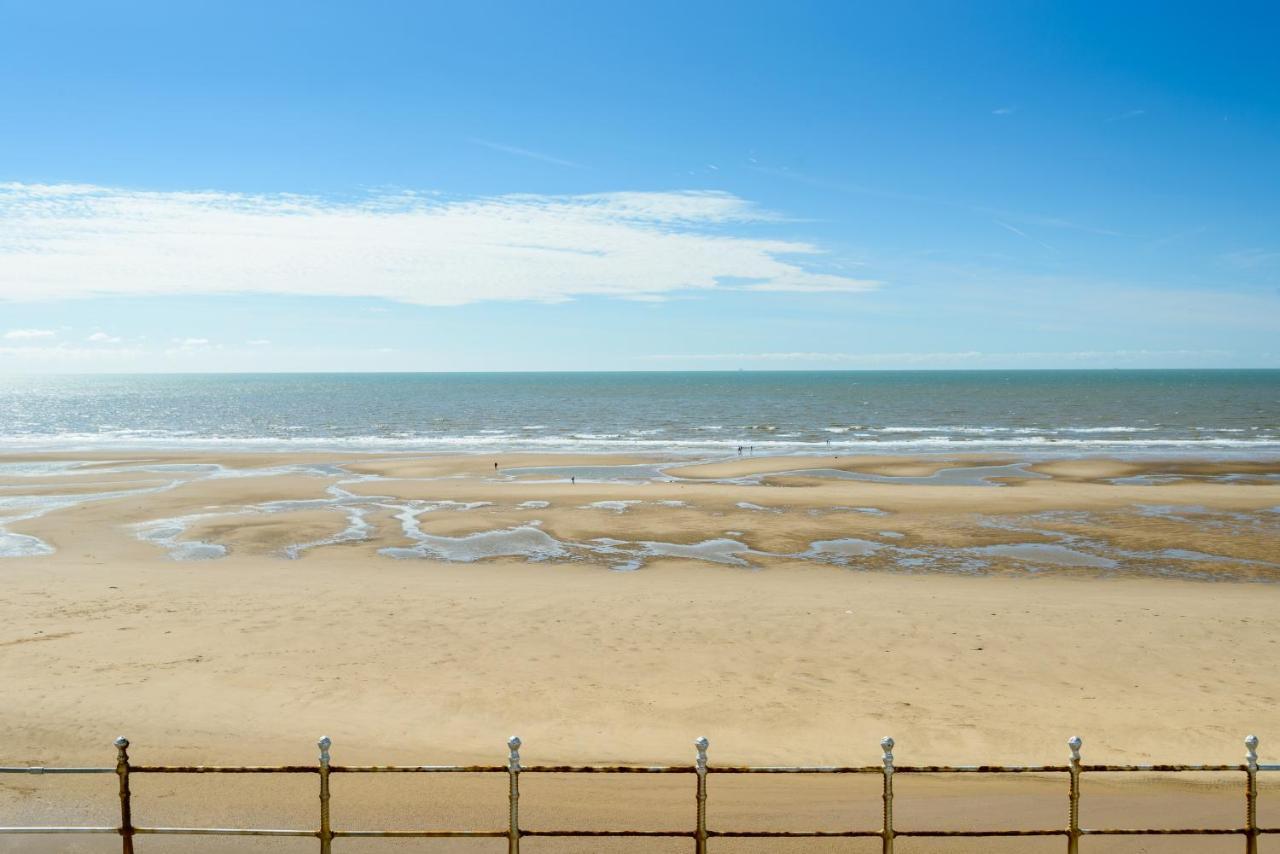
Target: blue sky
x,y
499,186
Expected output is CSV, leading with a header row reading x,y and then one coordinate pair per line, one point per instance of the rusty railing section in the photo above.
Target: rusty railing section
x,y
701,769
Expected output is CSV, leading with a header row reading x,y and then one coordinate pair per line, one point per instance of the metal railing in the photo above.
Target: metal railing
x,y
701,769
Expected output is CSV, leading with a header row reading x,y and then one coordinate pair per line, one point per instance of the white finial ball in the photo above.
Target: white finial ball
x,y
1251,742
701,742
886,743
514,742
325,742
1074,742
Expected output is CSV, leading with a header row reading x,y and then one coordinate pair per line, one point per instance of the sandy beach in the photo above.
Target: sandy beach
x,y
979,621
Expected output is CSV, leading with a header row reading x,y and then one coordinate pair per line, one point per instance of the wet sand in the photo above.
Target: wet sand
x,y
785,659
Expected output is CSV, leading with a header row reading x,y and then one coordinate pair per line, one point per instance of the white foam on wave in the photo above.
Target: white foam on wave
x,y
1115,430
877,441
979,430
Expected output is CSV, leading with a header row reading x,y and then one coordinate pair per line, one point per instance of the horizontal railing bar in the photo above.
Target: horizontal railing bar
x,y
809,834
40,769
1163,768
795,769
224,769
975,834
1168,831
688,834
420,834
630,769
59,830
793,834
606,769
223,831
980,769
418,769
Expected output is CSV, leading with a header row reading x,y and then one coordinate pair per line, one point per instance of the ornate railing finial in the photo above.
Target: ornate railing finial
x,y
513,758
1074,743
122,743
324,744
702,744
886,744
1251,743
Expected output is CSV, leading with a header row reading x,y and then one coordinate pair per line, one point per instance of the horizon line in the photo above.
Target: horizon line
x,y
1093,370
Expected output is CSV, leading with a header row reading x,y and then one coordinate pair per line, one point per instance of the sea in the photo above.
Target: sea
x,y
1203,413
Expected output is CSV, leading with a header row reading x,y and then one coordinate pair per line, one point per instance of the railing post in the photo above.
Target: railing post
x,y
126,798
700,768
886,827
1073,818
326,831
513,772
1251,794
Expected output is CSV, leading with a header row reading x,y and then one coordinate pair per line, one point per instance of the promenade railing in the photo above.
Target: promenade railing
x,y
700,834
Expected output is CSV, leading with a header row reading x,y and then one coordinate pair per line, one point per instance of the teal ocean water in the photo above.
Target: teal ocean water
x,y
1230,413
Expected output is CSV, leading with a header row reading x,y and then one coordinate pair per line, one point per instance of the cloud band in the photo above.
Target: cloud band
x,y
79,241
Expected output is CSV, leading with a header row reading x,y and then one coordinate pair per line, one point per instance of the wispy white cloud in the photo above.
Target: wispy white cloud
x,y
103,338
524,152
1023,234
75,241
190,343
1004,111
1128,114
28,334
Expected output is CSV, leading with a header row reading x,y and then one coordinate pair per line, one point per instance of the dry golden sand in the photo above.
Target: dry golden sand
x,y
249,658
